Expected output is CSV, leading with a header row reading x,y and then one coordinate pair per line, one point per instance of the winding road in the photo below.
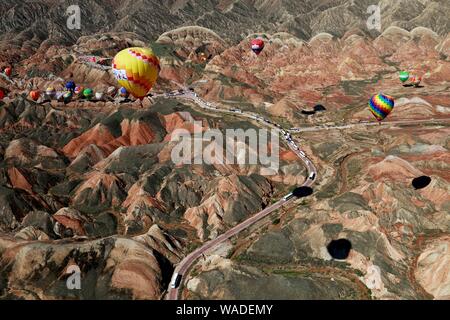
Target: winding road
x,y
367,123
183,267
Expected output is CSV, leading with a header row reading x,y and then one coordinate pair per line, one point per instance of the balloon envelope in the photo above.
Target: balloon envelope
x,y
67,96
88,93
381,105
2,94
8,71
123,92
415,80
78,90
50,92
111,91
34,95
70,85
136,69
404,76
257,46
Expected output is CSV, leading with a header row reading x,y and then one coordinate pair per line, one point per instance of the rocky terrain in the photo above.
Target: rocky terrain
x,y
398,234
87,171
92,184
25,24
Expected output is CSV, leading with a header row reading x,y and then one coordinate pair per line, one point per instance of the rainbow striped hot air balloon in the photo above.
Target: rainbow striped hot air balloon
x,y
136,69
381,105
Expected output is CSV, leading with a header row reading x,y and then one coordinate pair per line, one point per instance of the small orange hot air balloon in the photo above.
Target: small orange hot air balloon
x,y
34,95
8,71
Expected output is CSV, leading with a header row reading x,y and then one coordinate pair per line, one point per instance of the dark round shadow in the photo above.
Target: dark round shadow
x,y
339,249
421,182
319,107
301,192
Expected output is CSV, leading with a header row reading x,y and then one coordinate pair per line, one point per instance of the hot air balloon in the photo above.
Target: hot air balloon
x,y
2,94
88,93
78,90
60,95
381,105
34,95
404,76
8,71
70,85
415,80
203,56
136,69
50,92
123,92
111,91
67,96
257,45
99,96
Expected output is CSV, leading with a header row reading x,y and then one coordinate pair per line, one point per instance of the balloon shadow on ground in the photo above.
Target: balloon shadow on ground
x,y
319,107
303,191
421,182
339,249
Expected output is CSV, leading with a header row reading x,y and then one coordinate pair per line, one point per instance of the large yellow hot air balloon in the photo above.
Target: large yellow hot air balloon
x,y
136,69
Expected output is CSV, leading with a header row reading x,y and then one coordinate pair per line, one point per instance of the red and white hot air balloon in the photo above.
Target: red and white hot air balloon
x,y
8,72
257,45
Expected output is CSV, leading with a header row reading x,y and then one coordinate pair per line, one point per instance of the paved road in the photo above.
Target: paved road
x,y
183,267
368,123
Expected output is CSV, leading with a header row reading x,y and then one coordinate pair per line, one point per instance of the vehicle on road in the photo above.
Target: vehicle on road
x,y
312,176
288,196
176,279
